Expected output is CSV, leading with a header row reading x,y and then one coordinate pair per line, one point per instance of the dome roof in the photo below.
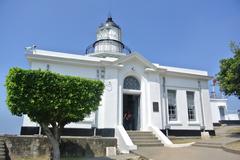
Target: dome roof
x,y
109,22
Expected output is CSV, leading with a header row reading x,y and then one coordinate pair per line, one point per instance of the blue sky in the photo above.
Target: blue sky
x,y
186,33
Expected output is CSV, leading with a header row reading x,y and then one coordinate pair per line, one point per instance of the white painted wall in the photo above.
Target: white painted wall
x,y
67,69
182,85
207,108
28,123
154,93
215,104
109,114
136,69
110,98
233,116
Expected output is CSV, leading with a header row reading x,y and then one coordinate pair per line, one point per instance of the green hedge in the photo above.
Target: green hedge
x,y
50,97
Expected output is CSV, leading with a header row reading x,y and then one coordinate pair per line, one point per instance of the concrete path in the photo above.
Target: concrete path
x,y
117,157
186,153
125,157
224,135
204,152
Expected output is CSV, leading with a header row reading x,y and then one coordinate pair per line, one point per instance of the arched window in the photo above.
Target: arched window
x,y
131,82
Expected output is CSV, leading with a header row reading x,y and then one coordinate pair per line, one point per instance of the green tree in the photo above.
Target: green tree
x,y
51,99
229,75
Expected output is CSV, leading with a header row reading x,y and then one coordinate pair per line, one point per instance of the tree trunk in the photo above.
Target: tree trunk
x,y
53,140
56,150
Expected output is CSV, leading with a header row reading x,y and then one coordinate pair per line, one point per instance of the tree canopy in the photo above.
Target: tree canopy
x,y
51,99
229,75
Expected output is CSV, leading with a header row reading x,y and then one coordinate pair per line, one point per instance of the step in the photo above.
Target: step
x,y
140,138
144,134
140,134
145,141
149,144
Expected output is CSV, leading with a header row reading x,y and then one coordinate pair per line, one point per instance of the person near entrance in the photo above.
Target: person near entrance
x,y
128,120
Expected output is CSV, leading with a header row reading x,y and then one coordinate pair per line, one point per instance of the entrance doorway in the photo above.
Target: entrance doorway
x,y
131,118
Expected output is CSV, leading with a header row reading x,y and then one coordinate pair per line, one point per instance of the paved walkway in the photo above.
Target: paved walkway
x,y
125,157
117,157
186,153
194,152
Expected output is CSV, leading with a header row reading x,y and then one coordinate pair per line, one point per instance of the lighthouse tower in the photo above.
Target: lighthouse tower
x,y
108,41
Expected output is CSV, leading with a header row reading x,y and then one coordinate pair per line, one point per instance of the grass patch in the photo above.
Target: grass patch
x,y
217,138
234,145
234,130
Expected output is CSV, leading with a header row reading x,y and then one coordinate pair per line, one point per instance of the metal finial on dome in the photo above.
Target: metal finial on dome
x,y
109,19
109,15
110,22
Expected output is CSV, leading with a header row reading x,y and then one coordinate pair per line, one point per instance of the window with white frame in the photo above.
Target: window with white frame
x,y
172,107
191,106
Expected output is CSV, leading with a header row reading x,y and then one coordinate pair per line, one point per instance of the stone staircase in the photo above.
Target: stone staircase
x,y
144,139
2,150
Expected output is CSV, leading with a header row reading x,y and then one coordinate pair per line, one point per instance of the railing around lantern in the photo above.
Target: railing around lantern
x,y
91,48
214,95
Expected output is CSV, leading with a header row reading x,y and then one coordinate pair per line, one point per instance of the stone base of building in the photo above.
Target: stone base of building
x,y
217,124
105,132
109,132
187,132
230,122
31,147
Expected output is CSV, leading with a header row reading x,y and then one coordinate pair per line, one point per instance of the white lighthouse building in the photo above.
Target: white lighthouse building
x,y
139,95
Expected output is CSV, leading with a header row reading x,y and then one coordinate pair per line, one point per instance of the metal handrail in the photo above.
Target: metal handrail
x,y
91,48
